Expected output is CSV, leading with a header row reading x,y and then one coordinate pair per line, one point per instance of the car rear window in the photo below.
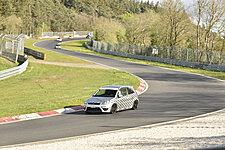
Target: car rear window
x,y
130,91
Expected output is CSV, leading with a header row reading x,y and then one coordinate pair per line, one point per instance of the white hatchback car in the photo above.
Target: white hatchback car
x,y
59,39
110,99
57,46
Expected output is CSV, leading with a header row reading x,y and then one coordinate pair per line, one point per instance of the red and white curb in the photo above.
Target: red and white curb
x,y
140,90
142,87
40,114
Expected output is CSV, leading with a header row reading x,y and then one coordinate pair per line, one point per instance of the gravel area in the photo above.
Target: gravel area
x,y
199,133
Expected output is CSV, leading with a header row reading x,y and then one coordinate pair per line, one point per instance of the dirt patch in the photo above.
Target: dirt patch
x,y
82,65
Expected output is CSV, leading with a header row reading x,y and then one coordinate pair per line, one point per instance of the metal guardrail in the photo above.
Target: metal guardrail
x,y
174,53
13,71
34,53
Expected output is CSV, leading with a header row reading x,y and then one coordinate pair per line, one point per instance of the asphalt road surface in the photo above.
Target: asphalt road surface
x,y
171,95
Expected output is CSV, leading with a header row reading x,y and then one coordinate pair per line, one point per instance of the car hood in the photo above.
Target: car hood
x,y
99,99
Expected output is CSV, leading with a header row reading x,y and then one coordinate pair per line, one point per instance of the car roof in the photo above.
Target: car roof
x,y
116,87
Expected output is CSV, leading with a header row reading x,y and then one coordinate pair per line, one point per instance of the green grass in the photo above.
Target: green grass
x,y
76,46
47,87
4,64
51,56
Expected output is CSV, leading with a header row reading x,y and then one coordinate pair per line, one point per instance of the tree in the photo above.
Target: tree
x,y
6,8
214,18
12,24
108,30
200,6
138,27
210,16
175,20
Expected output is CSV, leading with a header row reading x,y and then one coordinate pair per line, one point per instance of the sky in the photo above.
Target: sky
x,y
187,3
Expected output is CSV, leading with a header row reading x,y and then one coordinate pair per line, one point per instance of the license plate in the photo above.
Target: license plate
x,y
92,106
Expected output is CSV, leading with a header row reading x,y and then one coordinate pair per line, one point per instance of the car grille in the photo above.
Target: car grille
x,y
93,110
94,103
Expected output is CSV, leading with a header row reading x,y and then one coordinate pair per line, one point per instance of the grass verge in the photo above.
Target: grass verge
x,y
76,46
4,64
47,87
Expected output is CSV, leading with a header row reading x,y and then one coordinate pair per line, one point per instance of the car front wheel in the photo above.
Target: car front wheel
x,y
113,109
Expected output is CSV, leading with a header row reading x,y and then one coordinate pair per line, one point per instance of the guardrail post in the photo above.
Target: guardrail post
x,y
194,54
180,53
173,48
17,53
2,45
12,45
219,58
187,55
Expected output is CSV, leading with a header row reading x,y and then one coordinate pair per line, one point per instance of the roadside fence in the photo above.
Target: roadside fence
x,y
12,47
65,34
186,57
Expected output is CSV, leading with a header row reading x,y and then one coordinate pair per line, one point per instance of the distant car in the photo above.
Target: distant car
x,y
113,98
57,46
70,37
59,39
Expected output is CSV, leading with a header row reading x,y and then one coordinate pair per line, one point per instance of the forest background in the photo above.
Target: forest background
x,y
121,21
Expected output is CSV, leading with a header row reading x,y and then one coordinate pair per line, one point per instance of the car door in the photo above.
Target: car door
x,y
122,99
131,97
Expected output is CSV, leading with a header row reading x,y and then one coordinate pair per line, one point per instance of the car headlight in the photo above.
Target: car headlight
x,y
105,102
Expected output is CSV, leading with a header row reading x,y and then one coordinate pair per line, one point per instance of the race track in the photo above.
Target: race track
x,y
171,95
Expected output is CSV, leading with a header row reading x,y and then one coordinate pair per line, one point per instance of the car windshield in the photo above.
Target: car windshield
x,y
105,93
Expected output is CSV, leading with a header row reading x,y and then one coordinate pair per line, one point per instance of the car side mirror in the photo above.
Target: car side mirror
x,y
119,95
